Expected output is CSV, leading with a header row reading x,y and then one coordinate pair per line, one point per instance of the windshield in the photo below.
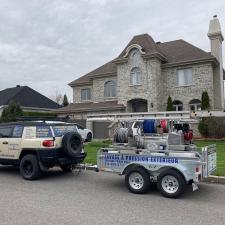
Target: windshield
x,y
60,130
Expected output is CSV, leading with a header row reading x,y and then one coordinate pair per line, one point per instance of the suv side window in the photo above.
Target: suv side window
x,y
43,132
5,132
17,131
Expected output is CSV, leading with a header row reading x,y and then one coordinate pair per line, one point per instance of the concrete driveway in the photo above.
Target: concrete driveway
x,y
101,199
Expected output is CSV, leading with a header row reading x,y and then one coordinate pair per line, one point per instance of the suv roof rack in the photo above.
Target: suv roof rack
x,y
41,118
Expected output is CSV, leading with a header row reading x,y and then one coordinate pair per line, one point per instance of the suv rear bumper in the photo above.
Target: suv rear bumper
x,y
54,157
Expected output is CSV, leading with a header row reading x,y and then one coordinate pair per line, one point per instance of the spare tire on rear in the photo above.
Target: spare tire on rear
x,y
72,144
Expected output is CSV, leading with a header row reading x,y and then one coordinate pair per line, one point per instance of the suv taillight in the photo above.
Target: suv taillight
x,y
48,143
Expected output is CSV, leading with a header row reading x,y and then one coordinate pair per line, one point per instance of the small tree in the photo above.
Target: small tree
x,y
205,101
65,100
169,104
203,127
11,112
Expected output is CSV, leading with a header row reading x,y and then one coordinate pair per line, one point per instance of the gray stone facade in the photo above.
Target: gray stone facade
x,y
202,80
98,89
157,83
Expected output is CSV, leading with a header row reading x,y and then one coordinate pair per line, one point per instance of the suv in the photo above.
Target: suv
x,y
38,146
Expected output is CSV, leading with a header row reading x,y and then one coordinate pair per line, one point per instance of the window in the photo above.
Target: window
x,y
43,132
177,105
195,104
59,131
110,89
184,77
5,132
135,76
18,131
85,94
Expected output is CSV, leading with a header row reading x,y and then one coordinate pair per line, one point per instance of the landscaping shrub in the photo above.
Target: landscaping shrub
x,y
213,127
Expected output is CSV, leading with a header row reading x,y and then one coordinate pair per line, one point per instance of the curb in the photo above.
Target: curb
x,y
215,179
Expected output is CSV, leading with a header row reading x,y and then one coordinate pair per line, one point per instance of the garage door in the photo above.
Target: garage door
x,y
101,130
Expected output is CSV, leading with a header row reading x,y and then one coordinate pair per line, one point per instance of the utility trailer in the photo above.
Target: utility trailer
x,y
172,170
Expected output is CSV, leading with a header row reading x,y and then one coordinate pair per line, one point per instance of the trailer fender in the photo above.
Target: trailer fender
x,y
133,166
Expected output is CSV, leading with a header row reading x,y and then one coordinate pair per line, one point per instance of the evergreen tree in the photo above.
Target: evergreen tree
x,y
169,104
11,112
205,101
65,100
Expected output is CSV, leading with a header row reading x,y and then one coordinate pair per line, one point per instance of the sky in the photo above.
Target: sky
x,y
46,44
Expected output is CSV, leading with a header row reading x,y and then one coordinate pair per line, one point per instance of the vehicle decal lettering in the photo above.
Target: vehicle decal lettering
x,y
120,160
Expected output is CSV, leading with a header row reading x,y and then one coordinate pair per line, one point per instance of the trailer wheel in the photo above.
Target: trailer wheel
x,y
171,184
137,180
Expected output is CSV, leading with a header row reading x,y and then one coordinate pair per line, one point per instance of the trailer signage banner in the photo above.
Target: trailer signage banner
x,y
120,160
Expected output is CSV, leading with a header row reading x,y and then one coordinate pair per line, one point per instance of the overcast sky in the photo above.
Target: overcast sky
x,y
46,44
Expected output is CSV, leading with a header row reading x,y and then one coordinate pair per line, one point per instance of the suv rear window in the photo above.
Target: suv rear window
x,y
43,132
61,130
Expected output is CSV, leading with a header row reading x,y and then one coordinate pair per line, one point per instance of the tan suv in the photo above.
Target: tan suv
x,y
38,146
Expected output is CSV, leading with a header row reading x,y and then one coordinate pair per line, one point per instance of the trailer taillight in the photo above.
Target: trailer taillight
x,y
48,143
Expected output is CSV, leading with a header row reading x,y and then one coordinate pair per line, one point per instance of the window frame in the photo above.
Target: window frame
x,y
133,73
86,94
187,79
176,106
110,90
10,135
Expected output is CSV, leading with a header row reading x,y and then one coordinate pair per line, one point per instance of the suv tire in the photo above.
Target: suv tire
x,y
171,184
29,167
137,180
72,144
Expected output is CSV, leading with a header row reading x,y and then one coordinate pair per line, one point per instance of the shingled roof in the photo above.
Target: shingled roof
x,y
90,106
26,97
177,51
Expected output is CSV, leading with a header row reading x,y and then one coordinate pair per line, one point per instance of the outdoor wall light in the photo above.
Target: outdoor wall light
x,y
152,105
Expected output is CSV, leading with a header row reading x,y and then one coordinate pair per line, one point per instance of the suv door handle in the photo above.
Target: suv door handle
x,y
5,143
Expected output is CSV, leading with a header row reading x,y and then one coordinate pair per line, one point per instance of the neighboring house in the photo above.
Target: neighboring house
x,y
29,99
146,72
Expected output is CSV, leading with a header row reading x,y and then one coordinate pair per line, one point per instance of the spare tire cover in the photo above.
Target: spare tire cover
x,y
72,144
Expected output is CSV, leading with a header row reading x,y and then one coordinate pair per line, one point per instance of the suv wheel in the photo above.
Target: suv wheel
x,y
66,168
29,167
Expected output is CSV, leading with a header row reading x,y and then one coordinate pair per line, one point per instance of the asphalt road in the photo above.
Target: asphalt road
x,y
101,199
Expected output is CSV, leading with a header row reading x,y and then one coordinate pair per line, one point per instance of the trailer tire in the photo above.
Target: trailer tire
x,y
171,184
137,180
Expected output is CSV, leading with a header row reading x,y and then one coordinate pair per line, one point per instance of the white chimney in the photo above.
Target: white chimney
x,y
216,38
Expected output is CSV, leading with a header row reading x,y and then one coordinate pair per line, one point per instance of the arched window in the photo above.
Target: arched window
x,y
135,76
110,89
195,104
177,105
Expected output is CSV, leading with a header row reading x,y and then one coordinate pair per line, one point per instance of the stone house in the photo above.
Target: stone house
x,y
146,72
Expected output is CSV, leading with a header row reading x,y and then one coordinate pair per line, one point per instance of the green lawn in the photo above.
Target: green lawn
x,y
93,147
220,147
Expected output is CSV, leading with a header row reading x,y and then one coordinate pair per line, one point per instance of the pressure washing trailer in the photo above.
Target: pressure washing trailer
x,y
163,158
